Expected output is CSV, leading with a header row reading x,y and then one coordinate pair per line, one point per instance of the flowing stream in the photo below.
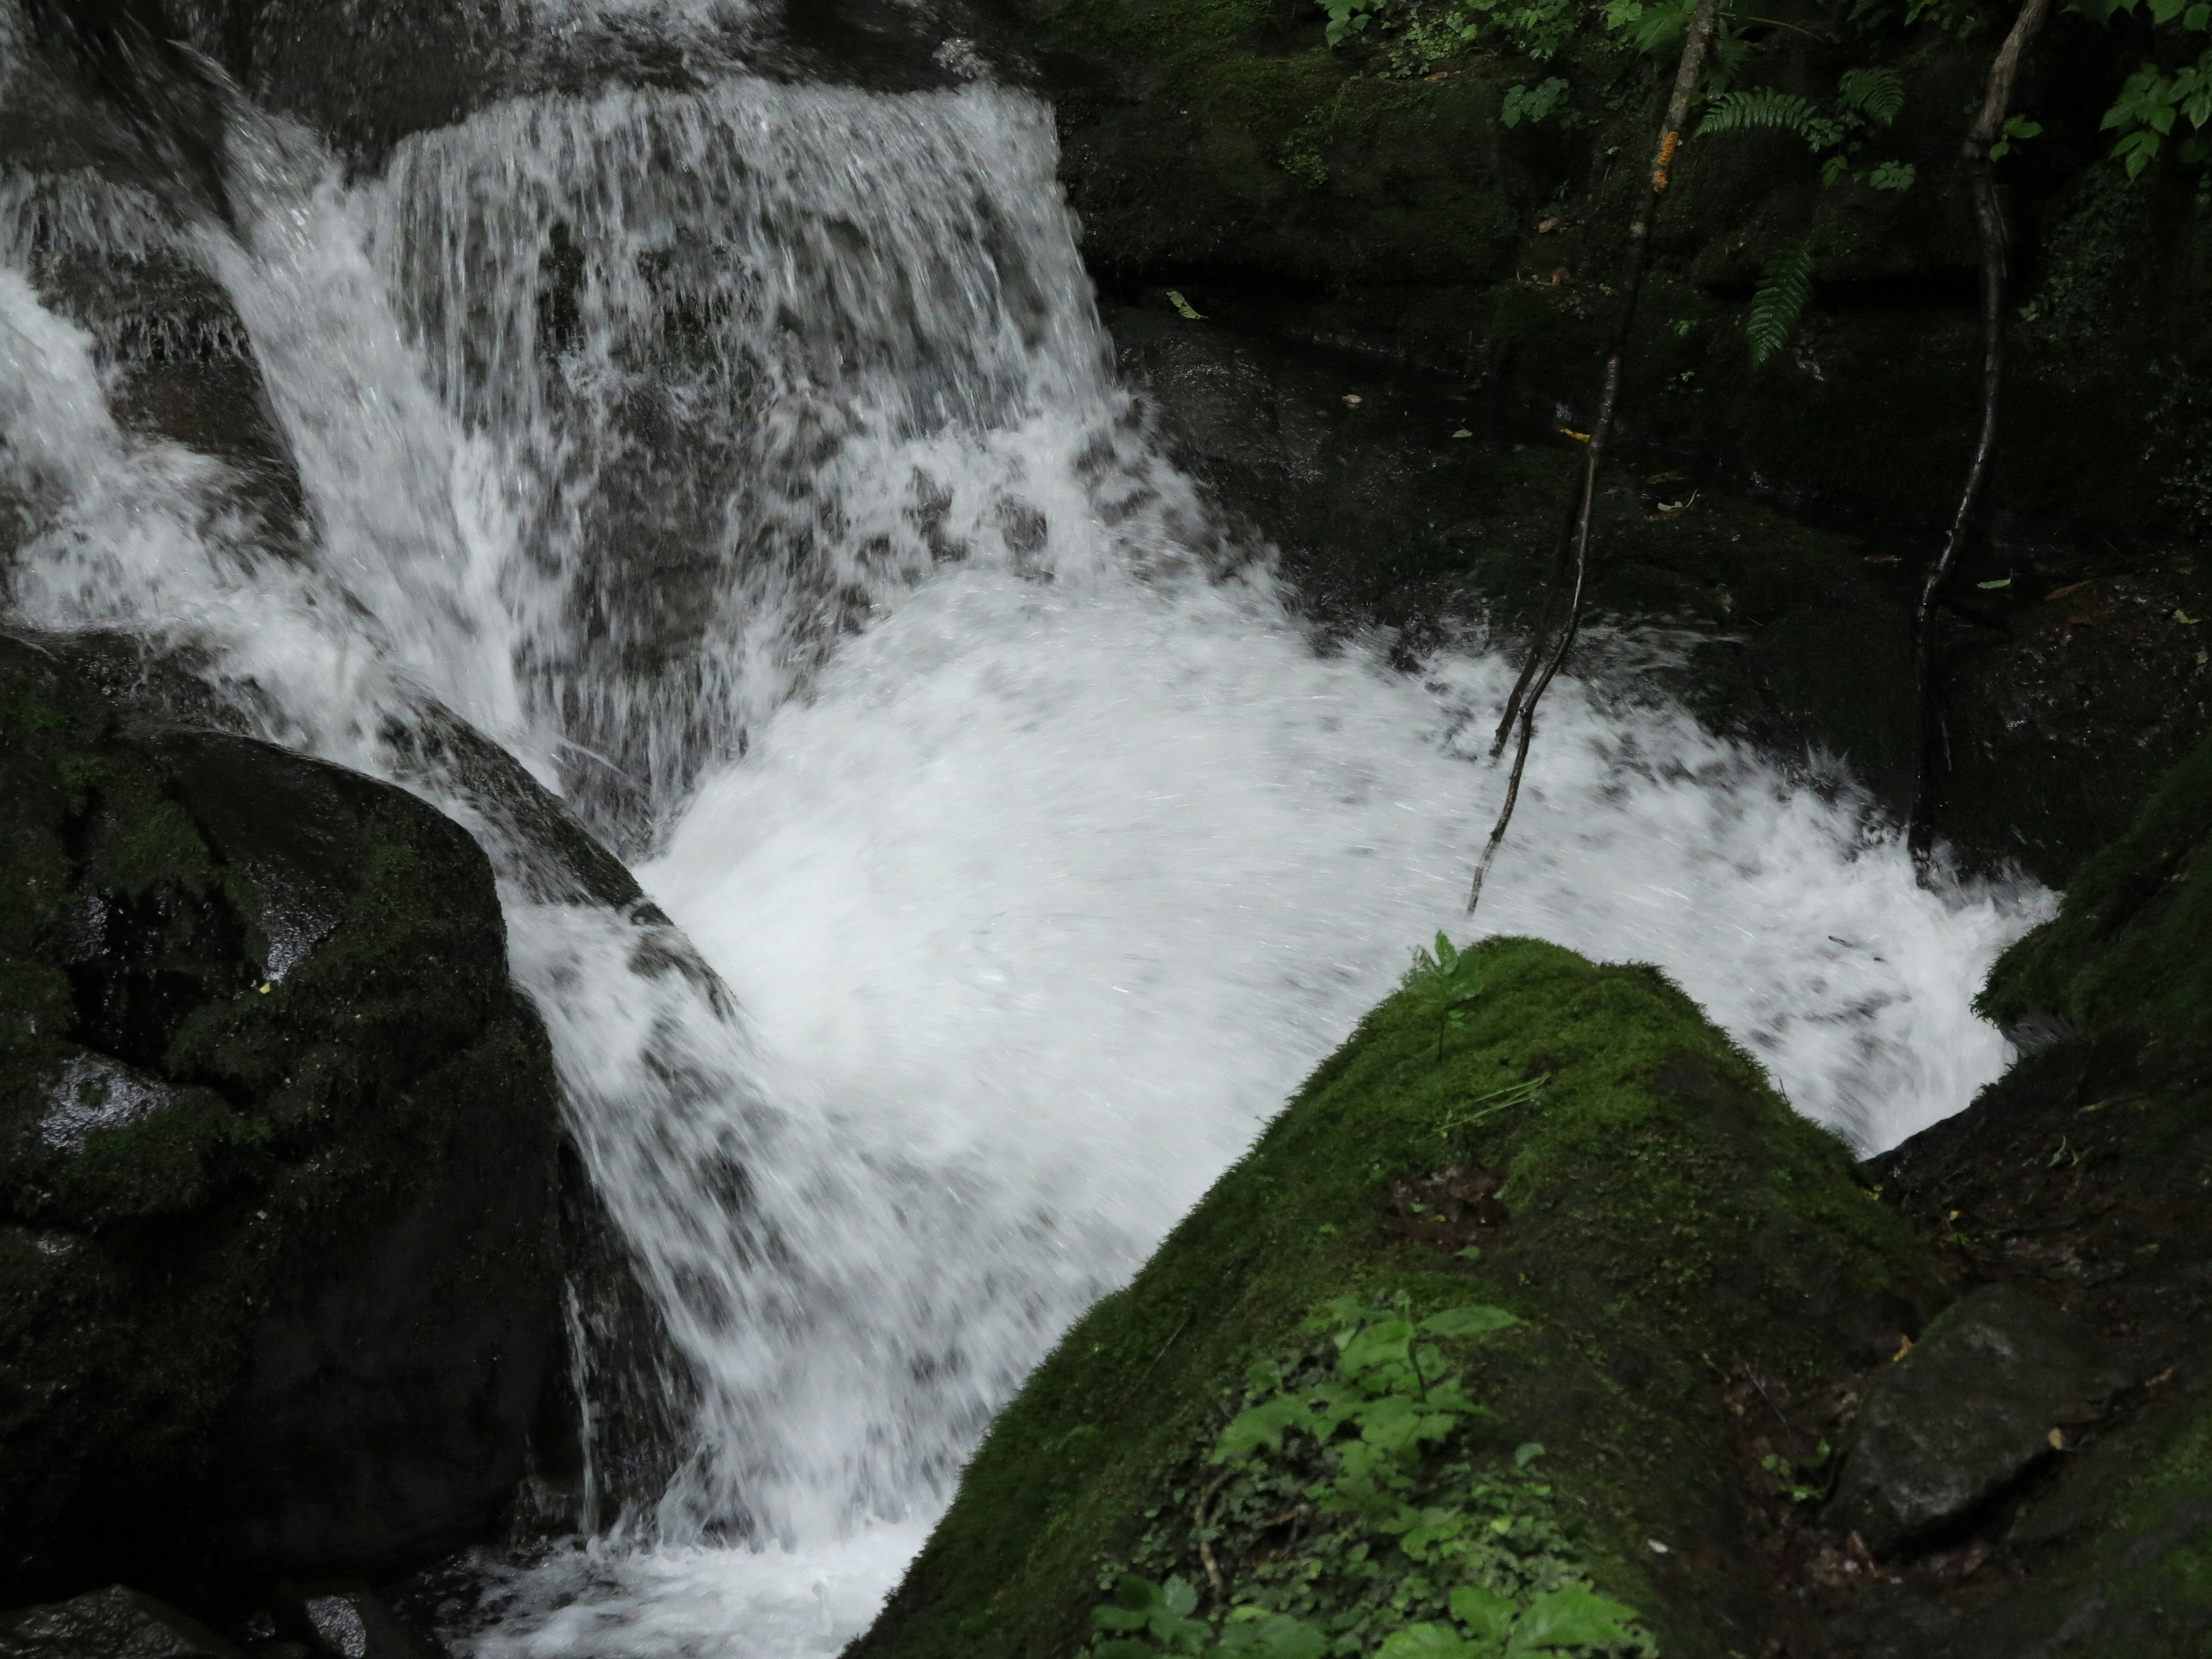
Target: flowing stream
x,y
748,465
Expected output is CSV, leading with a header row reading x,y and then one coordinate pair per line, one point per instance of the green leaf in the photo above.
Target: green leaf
x,y
1263,1425
1179,1598
1427,1642
1380,1344
1893,175
1986,586
1485,1611
1467,1321
1122,1647
1877,93
1785,288
1278,1637
1571,1617
1761,107
1527,1453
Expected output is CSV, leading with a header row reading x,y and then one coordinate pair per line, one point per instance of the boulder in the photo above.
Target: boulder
x,y
279,1186
115,1623
1988,1396
1553,1270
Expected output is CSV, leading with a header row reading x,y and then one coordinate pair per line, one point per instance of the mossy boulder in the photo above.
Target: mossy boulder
x,y
279,1159
1517,1128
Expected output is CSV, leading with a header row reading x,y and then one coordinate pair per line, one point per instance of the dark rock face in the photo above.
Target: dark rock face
x,y
279,1159
111,1623
1987,1395
2081,1177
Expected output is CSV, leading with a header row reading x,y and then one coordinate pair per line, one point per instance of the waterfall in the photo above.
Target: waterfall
x,y
747,466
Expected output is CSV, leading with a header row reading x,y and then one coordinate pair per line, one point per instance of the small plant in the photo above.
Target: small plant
x,y
1800,1482
2155,100
1532,104
1785,288
1341,1518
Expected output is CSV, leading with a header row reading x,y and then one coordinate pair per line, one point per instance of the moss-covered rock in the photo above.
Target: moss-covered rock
x,y
1517,1128
278,1189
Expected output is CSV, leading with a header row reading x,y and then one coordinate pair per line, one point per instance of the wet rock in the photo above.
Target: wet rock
x,y
344,1621
1989,1394
279,1181
114,1623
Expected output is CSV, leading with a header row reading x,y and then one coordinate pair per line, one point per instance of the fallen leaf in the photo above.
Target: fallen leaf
x,y
1351,400
1462,433
1579,437
1184,307
1903,1349
2058,1441
1441,75
1885,558
2070,587
2081,619
2185,619
1548,224
1560,276
1986,586
1658,1548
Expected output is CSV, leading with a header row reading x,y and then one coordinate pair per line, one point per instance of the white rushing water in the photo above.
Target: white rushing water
x,y
748,463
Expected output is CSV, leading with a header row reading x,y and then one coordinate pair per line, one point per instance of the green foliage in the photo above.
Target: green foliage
x,y
1349,17
1764,107
1536,28
2018,130
1403,1544
1878,93
1785,288
1534,103
1427,30
2155,99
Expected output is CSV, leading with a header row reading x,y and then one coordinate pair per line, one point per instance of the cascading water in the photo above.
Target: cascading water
x,y
748,465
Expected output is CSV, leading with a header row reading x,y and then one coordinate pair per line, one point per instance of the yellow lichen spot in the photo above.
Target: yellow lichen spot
x,y
1903,1349
2058,1441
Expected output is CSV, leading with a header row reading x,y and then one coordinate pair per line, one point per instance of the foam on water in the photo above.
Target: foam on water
x,y
748,465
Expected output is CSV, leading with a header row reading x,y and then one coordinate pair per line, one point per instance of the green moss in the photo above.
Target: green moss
x,y
2127,952
158,848
1664,1216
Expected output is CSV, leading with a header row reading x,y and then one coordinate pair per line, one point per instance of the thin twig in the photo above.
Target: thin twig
x,y
1204,1547
1988,214
1522,708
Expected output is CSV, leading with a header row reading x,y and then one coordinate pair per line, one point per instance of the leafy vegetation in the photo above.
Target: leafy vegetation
x,y
2158,98
1785,288
1346,1515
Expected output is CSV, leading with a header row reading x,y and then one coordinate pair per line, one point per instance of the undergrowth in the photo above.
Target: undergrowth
x,y
1349,1506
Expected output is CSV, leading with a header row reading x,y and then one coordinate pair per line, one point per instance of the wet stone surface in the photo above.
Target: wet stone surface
x,y
1990,1393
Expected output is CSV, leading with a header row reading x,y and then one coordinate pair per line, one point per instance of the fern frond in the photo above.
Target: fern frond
x,y
1877,93
1761,107
1784,288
